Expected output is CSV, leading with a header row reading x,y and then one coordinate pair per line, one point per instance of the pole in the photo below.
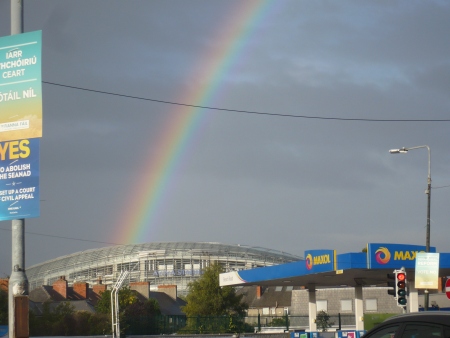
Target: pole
x,y
18,282
404,150
429,202
426,296
16,17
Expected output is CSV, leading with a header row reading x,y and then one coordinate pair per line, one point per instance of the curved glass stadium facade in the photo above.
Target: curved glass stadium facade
x,y
174,263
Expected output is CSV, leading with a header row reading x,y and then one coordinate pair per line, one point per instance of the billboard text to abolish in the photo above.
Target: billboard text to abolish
x,y
19,179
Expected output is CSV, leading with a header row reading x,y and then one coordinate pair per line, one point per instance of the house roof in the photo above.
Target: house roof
x,y
79,305
46,293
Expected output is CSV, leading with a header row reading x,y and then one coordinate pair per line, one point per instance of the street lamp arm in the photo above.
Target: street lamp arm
x,y
405,150
411,148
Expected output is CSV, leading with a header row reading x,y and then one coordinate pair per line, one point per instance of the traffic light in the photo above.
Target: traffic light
x,y
392,284
398,282
400,279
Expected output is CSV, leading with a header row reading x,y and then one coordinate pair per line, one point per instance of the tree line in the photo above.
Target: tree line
x,y
206,300
209,309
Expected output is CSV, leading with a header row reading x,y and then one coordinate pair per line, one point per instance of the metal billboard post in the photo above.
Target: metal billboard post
x,y
18,282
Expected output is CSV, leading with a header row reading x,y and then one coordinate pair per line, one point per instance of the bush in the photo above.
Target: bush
x,y
323,321
279,321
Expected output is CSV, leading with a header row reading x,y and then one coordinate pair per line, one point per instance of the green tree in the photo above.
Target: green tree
x,y
137,317
81,320
126,298
40,326
207,298
64,321
57,322
3,307
133,313
323,321
99,324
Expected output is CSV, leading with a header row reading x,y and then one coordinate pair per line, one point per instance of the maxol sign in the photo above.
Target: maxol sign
x,y
19,179
384,255
320,260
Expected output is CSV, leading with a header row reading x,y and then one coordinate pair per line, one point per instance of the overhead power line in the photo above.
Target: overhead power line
x,y
68,238
442,187
244,111
220,109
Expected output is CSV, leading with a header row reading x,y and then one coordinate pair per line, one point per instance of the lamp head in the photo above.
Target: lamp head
x,y
399,151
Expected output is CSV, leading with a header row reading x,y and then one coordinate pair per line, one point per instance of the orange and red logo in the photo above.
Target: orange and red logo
x,y
382,255
309,261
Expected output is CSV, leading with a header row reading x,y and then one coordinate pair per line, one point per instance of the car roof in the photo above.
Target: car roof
x,y
437,317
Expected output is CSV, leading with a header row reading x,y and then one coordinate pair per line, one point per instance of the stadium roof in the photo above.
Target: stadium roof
x,y
194,248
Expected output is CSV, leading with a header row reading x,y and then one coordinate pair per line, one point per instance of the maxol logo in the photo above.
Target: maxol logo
x,y
309,262
391,255
382,255
322,259
317,260
405,255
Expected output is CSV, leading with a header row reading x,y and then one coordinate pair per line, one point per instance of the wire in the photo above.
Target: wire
x,y
220,109
441,187
63,237
244,111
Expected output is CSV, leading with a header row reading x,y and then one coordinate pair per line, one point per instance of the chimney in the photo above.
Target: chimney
x,y
258,291
142,287
81,289
4,282
170,290
60,286
99,288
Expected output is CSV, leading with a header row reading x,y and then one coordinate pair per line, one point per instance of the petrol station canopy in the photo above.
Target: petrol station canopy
x,y
324,268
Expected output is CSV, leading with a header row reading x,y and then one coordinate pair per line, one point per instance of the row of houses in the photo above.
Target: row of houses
x,y
84,297
273,301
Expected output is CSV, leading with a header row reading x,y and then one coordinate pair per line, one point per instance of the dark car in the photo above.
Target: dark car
x,y
432,324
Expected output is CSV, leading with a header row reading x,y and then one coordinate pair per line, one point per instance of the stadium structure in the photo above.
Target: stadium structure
x,y
164,263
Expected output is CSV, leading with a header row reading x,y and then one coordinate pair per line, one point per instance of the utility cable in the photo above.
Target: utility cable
x,y
68,238
244,111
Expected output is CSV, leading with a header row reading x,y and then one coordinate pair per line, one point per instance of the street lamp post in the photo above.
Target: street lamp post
x,y
428,192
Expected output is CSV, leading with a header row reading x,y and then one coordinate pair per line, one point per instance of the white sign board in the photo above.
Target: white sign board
x,y
427,270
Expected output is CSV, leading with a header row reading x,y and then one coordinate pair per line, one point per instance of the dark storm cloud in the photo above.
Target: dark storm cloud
x,y
279,182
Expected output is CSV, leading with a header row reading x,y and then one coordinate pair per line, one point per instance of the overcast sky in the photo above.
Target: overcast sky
x,y
275,181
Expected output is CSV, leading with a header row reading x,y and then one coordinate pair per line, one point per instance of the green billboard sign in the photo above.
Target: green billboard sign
x,y
20,86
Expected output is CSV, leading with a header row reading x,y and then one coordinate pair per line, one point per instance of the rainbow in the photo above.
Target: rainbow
x,y
140,217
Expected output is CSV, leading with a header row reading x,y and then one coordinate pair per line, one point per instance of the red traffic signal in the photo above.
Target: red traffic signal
x,y
401,276
400,279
